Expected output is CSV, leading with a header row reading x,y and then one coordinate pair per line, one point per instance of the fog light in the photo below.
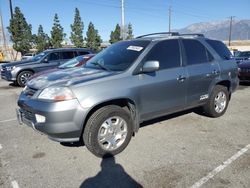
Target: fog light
x,y
40,119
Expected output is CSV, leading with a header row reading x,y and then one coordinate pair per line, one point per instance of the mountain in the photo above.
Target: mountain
x,y
220,29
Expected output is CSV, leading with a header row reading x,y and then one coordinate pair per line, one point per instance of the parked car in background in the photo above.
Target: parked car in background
x,y
75,62
28,56
242,55
129,82
244,71
20,71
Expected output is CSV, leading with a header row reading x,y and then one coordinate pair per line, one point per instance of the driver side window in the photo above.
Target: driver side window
x,y
53,56
167,53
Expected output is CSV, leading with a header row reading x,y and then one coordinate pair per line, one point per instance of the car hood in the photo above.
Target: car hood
x,y
16,63
67,77
244,64
43,72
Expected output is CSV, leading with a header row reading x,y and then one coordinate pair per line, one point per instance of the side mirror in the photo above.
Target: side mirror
x,y
150,66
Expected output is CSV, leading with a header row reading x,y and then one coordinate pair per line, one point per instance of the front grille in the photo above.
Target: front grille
x,y
29,91
3,71
245,70
28,115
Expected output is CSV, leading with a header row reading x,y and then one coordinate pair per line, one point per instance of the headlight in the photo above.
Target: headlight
x,y
57,94
239,69
10,68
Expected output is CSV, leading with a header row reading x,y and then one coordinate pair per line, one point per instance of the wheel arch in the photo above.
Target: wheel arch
x,y
124,103
227,84
22,70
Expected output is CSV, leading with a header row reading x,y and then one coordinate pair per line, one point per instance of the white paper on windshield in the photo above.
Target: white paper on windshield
x,y
135,48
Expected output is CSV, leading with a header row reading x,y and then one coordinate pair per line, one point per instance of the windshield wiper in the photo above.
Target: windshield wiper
x,y
100,65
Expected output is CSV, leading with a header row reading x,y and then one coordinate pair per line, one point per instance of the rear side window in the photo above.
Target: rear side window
x,y
196,53
68,55
167,53
83,52
220,48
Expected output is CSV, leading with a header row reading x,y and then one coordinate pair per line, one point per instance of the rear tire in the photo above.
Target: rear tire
x,y
108,131
23,77
218,102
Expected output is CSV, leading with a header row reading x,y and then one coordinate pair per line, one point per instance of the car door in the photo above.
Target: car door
x,y
165,89
202,71
52,60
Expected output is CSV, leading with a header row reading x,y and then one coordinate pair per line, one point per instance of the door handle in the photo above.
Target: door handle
x,y
181,78
216,72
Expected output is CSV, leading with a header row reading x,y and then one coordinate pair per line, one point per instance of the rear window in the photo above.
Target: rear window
x,y
220,48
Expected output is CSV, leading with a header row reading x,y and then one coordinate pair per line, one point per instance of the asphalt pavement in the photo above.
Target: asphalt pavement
x,y
181,150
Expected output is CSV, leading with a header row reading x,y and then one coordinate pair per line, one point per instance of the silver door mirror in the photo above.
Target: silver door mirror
x,y
150,66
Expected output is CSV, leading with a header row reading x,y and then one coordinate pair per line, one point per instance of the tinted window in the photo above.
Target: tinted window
x,y
68,55
119,56
196,53
167,53
244,54
220,48
83,53
53,56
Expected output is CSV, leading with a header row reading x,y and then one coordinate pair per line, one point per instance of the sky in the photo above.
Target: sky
x,y
146,16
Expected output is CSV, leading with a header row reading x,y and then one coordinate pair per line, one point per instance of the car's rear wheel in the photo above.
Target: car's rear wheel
x,y
23,77
218,102
108,131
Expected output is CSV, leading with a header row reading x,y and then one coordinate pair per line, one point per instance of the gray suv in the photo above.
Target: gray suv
x,y
20,71
132,81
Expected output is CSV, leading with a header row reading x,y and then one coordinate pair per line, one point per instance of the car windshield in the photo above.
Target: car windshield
x,y
243,54
119,56
72,62
39,56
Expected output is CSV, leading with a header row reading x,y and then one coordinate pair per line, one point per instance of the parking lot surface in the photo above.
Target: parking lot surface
x,y
181,150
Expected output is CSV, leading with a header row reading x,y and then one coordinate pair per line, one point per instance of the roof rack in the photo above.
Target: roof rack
x,y
192,34
162,33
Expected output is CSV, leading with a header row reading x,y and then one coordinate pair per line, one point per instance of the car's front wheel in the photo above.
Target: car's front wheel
x,y
23,77
108,131
218,102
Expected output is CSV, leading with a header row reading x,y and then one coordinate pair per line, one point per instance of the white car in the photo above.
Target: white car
x,y
28,56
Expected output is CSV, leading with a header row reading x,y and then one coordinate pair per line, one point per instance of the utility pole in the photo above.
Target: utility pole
x,y
123,22
11,10
230,30
169,18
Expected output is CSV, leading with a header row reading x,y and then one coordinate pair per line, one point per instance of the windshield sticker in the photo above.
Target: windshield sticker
x,y
135,48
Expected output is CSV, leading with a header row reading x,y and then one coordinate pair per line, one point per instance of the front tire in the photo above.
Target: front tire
x,y
23,77
108,131
218,102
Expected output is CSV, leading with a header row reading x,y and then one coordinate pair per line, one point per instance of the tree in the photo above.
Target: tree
x,y
130,31
115,35
42,40
93,39
57,34
77,30
20,32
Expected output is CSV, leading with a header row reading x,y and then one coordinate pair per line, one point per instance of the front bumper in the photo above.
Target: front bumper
x,y
244,76
7,75
63,119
